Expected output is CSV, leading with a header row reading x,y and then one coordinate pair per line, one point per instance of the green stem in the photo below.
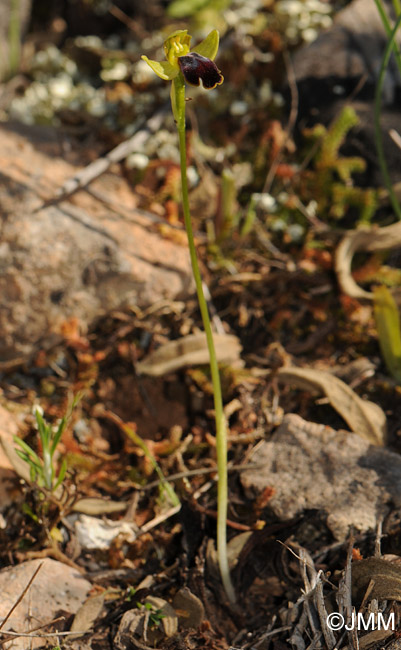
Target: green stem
x,y
14,36
388,28
397,7
377,113
178,105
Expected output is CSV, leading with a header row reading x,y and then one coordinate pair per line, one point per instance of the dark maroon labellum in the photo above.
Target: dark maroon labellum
x,y
195,67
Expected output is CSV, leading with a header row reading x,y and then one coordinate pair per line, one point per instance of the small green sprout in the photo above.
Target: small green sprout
x,y
193,66
155,615
131,591
42,470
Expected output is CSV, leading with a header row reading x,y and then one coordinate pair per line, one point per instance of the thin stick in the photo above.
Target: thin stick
x,y
291,120
396,137
21,596
41,636
142,445
200,471
101,165
159,519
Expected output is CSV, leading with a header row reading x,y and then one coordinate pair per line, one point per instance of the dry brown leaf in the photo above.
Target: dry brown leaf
x,y
189,608
362,416
87,615
95,506
363,239
385,575
190,351
131,624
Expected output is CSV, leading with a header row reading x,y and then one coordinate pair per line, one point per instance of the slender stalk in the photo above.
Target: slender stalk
x,y
14,36
397,7
178,105
377,113
388,28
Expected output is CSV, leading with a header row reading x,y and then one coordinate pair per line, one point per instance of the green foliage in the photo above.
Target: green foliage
x,y
330,180
388,328
333,137
391,45
249,218
186,8
42,470
14,36
131,591
165,485
155,616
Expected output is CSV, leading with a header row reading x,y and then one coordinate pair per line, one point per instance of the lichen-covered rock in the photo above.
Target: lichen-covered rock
x,y
352,48
340,68
310,466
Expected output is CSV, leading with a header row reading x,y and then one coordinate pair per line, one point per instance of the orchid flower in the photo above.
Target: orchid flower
x,y
196,65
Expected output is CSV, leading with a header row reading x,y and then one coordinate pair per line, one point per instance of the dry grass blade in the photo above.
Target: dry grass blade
x,y
363,417
87,615
189,351
363,239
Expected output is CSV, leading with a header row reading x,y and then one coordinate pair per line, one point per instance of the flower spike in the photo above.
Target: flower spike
x,y
193,66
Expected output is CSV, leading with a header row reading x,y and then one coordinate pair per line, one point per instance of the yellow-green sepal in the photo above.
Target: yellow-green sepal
x,y
209,46
163,69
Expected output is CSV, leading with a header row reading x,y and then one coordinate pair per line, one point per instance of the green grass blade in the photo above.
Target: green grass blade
x,y
43,429
377,114
387,27
61,476
58,435
388,328
32,455
165,484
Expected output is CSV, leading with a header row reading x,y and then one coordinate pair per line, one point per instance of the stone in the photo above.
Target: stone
x,y
352,48
78,259
57,589
309,466
341,67
9,427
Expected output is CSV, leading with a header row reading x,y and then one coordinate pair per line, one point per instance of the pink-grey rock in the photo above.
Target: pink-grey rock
x,y
9,427
57,588
78,259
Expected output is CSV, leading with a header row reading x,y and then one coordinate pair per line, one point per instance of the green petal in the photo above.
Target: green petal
x,y
163,69
209,46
